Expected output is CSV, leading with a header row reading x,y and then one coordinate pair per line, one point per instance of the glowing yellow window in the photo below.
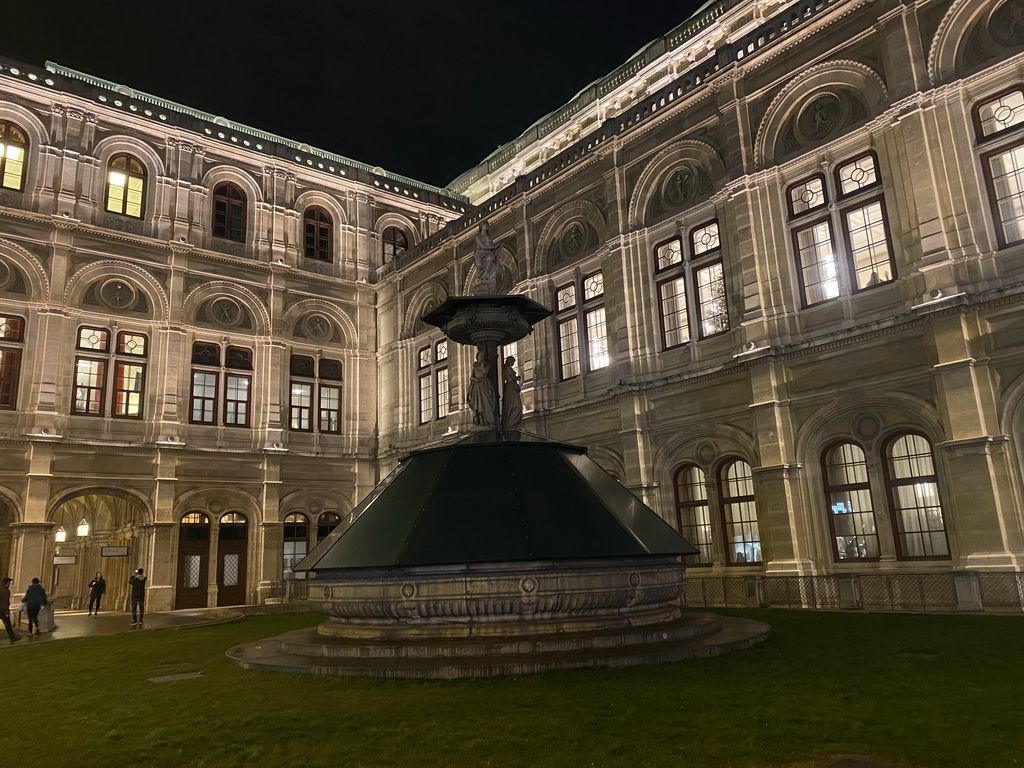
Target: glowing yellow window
x,y
126,184
13,146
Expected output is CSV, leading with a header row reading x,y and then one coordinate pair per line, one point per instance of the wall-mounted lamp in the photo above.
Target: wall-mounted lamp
x,y
83,528
61,535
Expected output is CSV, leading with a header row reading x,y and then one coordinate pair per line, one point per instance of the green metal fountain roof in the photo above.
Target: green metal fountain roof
x,y
497,496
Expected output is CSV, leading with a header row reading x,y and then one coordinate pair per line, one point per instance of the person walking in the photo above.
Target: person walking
x,y
5,607
138,585
34,599
97,588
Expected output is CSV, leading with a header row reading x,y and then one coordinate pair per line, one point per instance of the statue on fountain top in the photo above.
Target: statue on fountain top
x,y
485,282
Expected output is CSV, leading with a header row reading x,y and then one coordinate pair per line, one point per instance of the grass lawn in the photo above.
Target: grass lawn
x,y
929,691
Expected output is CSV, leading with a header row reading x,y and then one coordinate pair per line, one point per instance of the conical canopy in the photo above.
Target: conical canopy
x,y
497,496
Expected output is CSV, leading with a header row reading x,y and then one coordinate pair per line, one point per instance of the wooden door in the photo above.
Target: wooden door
x,y
193,561
231,554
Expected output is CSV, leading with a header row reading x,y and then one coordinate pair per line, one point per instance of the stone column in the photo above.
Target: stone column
x,y
32,550
162,568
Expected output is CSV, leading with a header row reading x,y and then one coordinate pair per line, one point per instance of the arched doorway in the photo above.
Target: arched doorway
x,y
232,547
193,561
7,518
96,532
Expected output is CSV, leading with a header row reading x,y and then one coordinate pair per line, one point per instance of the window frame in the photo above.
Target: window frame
x,y
831,490
142,175
996,136
431,368
686,522
580,354
318,244
892,484
229,213
112,356
232,361
725,500
397,238
6,126
10,361
835,209
317,381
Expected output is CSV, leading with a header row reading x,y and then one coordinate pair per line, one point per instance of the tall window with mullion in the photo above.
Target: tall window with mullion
x,y
851,513
318,230
296,543
914,498
126,186
315,395
1000,118
702,276
229,212
13,148
12,339
739,513
693,519
213,402
92,365
434,393
864,224
579,353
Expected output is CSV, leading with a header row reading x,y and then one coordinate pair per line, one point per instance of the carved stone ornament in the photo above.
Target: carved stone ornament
x,y
1006,25
225,311
6,275
118,294
680,186
866,426
573,239
706,452
317,327
820,118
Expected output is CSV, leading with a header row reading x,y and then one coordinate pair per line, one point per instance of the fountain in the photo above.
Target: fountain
x,y
501,553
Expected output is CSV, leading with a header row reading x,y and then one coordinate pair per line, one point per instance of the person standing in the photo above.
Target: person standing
x,y
97,588
34,599
138,585
5,607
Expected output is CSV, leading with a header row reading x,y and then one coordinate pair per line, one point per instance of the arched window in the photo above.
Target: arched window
x,y
229,212
739,513
296,543
126,186
851,514
692,517
326,523
13,148
394,242
914,494
319,228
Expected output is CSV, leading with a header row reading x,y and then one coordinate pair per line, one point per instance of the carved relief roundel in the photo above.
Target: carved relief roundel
x,y
680,186
226,311
317,327
118,294
1006,25
6,275
820,117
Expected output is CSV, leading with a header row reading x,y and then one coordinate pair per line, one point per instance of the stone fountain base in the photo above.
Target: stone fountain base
x,y
499,619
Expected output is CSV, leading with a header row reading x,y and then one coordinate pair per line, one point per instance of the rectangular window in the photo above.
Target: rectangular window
x,y
1006,189
330,408
204,397
426,406
128,381
817,262
10,370
236,400
301,406
569,347
441,388
675,327
94,339
597,339
714,314
668,254
14,165
90,377
868,244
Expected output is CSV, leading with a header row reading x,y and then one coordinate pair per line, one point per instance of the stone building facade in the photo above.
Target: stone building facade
x,y
784,247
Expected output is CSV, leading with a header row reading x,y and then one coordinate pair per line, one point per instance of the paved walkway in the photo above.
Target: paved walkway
x,y
81,624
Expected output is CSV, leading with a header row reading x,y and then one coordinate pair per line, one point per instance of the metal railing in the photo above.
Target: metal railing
x,y
903,592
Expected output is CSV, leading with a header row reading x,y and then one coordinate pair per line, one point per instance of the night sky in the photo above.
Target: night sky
x,y
426,89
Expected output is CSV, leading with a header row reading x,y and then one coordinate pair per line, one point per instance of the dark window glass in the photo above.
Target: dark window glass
x,y
238,357
302,366
395,242
330,369
318,230
229,212
205,354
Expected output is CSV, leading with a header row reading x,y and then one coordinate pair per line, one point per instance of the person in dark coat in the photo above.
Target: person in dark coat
x,y
5,607
138,585
97,588
34,599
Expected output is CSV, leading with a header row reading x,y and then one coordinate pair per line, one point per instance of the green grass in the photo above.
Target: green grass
x,y
931,691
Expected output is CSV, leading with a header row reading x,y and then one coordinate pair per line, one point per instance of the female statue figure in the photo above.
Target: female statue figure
x,y
511,400
480,395
485,283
